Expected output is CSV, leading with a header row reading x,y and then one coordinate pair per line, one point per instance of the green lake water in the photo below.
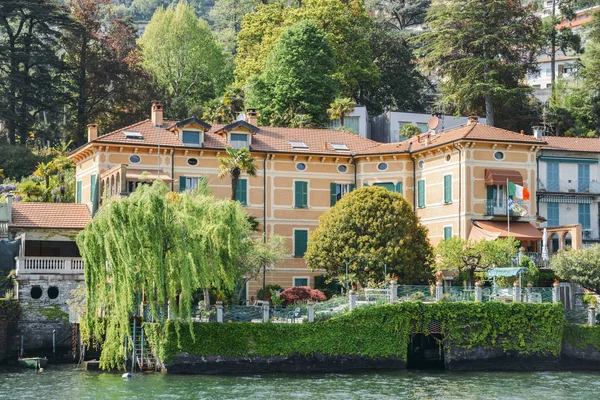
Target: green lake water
x,y
65,382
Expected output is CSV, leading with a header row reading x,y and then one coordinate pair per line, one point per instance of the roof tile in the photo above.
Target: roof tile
x,y
50,215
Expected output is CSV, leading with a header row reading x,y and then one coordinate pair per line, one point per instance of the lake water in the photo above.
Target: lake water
x,y
65,382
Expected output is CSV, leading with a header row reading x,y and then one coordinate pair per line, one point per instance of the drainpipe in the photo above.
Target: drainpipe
x,y
265,215
354,163
537,174
459,188
172,168
414,179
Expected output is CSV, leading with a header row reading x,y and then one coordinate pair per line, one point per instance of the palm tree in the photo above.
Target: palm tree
x,y
237,162
340,108
44,170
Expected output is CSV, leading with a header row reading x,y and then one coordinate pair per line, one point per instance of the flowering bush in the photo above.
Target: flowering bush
x,y
298,294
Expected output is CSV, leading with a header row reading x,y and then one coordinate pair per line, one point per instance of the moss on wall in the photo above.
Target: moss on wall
x,y
378,331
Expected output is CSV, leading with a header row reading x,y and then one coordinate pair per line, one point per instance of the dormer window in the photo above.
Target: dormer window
x,y
339,147
238,140
191,138
297,144
133,135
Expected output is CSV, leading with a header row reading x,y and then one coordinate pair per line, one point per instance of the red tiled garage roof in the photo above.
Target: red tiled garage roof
x,y
50,215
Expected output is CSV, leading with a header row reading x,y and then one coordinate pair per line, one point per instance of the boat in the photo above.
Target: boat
x,y
33,362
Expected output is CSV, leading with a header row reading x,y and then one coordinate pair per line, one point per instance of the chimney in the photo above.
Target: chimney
x,y
538,132
157,113
251,117
92,132
472,120
9,201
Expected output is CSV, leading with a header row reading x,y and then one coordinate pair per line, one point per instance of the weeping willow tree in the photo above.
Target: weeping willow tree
x,y
161,246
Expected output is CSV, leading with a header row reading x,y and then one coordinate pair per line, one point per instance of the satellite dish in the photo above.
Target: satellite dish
x,y
433,122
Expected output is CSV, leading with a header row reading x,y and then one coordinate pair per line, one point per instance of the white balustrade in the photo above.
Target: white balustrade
x,y
49,265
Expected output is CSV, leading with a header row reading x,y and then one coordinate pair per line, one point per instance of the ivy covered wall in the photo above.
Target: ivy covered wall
x,y
375,332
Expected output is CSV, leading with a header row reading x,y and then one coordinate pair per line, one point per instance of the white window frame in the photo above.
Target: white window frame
x,y
200,136
444,231
189,179
342,192
248,139
301,277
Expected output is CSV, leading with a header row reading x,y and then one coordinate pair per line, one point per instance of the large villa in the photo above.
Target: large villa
x,y
455,180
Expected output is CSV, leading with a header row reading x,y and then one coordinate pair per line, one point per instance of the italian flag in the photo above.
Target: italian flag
x,y
517,191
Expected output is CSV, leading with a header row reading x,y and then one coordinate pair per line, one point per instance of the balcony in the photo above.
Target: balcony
x,y
492,208
49,265
568,186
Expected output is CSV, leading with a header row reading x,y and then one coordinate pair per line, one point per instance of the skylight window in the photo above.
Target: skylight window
x,y
297,144
133,135
339,147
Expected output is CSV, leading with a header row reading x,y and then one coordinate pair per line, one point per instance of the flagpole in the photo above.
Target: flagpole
x,y
507,210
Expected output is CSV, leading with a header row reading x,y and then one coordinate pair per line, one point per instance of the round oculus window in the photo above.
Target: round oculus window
x,y
192,161
134,159
421,164
499,155
36,292
52,292
342,168
448,157
300,166
382,166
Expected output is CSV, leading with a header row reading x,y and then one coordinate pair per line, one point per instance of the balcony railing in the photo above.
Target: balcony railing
x,y
493,208
49,265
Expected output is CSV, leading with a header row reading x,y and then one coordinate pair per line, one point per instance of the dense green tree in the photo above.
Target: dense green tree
x,y
409,130
346,25
30,64
402,14
579,266
163,246
102,82
180,52
298,76
20,161
481,52
468,255
236,163
226,16
401,86
366,228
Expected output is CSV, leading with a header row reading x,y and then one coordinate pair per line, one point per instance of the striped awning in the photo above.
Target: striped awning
x,y
559,198
500,176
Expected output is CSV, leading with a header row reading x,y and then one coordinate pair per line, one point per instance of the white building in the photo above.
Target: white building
x,y
357,122
568,187
386,127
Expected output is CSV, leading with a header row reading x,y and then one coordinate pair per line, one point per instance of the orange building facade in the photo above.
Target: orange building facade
x,y
454,180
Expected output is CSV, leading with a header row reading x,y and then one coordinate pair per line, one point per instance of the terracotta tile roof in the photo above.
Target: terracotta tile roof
x,y
467,132
590,145
50,215
276,139
272,139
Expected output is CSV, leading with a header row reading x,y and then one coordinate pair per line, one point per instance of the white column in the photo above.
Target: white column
x,y
220,311
555,292
393,291
439,290
352,298
478,292
265,309
311,311
516,292
592,316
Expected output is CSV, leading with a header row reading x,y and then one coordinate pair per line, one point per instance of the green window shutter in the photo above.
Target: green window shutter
x,y
447,232
352,187
333,194
399,187
447,188
365,185
181,183
94,193
421,193
300,242
79,189
301,194
241,192
305,194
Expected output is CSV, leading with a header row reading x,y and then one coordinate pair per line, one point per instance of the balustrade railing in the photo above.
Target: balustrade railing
x,y
49,265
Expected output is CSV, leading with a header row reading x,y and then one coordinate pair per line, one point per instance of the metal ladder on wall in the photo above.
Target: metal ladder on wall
x,y
142,357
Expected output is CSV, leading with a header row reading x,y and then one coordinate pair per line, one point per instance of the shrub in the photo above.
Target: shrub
x,y
265,294
301,294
